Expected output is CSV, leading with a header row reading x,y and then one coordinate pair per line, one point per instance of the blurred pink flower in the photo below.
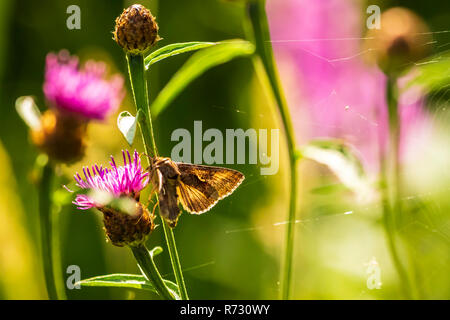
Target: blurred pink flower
x,y
331,91
84,93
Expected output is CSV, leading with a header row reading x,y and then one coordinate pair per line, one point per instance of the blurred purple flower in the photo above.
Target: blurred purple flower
x,y
84,92
127,180
331,91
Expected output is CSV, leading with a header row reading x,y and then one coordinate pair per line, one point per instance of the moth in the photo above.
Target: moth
x,y
197,187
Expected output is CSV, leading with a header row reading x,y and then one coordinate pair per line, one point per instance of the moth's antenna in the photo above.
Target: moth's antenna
x,y
144,154
150,158
151,152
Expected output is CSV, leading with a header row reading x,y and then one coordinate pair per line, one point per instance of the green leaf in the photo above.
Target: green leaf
x,y
344,162
200,62
28,111
174,49
127,124
121,280
432,74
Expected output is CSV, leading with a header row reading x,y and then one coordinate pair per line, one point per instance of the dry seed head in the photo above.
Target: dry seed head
x,y
136,29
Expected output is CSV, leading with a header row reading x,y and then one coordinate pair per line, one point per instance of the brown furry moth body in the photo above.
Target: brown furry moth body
x,y
197,187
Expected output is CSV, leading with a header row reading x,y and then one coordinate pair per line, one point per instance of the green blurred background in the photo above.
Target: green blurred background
x,y
233,251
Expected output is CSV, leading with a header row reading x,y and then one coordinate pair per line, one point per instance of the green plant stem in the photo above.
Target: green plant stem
x,y
261,36
49,235
140,94
390,175
148,267
139,86
170,239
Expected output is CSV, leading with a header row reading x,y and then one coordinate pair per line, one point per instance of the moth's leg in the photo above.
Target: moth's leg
x,y
151,195
138,220
156,182
154,208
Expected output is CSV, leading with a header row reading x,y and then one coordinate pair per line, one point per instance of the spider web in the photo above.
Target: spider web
x,y
431,217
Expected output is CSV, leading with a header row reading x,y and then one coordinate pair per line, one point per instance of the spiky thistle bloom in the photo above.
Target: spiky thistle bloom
x,y
81,92
121,183
127,180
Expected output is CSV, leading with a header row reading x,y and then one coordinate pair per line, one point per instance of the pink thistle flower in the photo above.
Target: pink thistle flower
x,y
119,181
82,92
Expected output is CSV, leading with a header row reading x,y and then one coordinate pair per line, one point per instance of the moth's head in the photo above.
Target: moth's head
x,y
167,167
151,161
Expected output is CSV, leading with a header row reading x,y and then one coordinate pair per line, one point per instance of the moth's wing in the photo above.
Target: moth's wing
x,y
223,180
201,187
168,201
194,200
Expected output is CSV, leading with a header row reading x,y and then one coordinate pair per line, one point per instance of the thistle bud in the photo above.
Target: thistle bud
x,y
136,29
60,136
403,39
127,229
